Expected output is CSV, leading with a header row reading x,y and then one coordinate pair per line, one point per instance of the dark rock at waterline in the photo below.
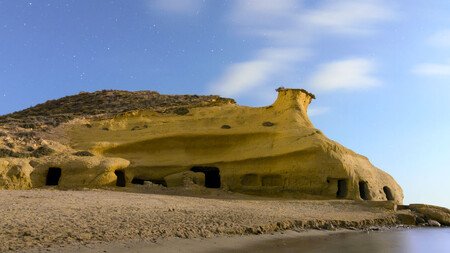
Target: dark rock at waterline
x,y
434,223
420,220
439,214
407,218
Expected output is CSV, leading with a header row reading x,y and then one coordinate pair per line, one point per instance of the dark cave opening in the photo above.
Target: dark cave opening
x,y
53,176
136,180
141,181
388,193
121,181
364,190
212,176
342,188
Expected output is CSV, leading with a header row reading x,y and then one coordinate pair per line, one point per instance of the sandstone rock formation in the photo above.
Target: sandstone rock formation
x,y
273,151
440,214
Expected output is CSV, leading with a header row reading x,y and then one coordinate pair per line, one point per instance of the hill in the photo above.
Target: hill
x,y
105,103
23,133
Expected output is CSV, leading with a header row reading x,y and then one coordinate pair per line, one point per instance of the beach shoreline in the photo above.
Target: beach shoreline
x,y
310,240
200,245
42,220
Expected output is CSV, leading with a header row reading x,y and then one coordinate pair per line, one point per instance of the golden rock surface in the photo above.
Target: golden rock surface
x,y
268,151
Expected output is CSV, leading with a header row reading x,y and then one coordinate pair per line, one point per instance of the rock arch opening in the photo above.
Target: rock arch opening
x,y
342,188
364,190
121,181
250,180
142,181
158,182
136,180
212,176
53,176
388,193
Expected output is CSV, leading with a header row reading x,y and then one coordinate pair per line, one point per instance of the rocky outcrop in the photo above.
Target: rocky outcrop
x,y
15,174
271,151
436,213
69,171
103,104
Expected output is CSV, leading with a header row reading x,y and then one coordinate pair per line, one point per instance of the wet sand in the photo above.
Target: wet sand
x,y
417,240
49,219
243,243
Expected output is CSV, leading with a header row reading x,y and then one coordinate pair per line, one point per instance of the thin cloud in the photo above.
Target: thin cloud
x,y
432,69
257,14
186,7
440,39
287,24
349,17
243,76
348,74
314,111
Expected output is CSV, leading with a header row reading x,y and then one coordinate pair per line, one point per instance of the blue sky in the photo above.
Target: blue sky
x,y
380,69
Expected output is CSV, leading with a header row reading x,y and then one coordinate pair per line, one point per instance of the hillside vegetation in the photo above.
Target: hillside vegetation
x,y
20,132
106,103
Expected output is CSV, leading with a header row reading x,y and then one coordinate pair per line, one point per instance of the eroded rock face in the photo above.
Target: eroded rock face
x,y
15,173
287,157
185,178
440,214
62,170
78,171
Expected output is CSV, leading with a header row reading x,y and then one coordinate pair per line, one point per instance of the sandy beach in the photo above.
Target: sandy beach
x,y
48,219
312,241
226,244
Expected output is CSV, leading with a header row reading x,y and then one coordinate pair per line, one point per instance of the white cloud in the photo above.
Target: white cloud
x,y
243,76
316,111
262,13
349,74
288,17
290,24
347,16
440,39
432,69
189,7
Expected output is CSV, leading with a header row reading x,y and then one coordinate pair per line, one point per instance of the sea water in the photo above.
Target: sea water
x,y
429,240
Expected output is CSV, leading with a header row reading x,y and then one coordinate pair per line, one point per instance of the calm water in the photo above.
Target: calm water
x,y
403,241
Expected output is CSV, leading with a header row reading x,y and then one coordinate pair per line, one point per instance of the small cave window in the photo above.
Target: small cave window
x,y
212,176
388,193
342,188
364,190
121,181
53,176
158,182
250,180
136,180
141,181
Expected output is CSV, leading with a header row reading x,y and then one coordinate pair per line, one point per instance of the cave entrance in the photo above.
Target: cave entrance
x,y
212,176
342,188
121,181
136,180
141,181
388,193
158,182
364,190
53,176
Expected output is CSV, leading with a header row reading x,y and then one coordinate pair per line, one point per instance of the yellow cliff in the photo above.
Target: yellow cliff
x,y
269,151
